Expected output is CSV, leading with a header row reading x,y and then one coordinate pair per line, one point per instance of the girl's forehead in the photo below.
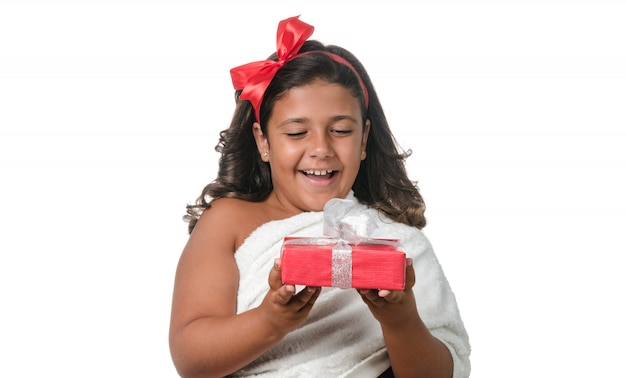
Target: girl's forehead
x,y
317,98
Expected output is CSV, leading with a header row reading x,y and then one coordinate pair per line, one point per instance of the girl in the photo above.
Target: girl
x,y
308,127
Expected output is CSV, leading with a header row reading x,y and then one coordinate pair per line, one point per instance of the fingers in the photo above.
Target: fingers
x,y
285,308
409,281
396,296
379,297
306,298
391,296
286,294
274,278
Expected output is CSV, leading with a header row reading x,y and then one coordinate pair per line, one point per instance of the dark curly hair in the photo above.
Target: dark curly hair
x,y
382,182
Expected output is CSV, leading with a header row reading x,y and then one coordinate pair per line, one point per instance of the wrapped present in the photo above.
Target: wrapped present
x,y
346,256
371,264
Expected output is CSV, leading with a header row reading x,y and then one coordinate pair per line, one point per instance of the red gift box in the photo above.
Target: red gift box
x,y
369,264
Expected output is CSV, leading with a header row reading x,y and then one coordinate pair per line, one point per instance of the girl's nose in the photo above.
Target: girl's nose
x,y
320,146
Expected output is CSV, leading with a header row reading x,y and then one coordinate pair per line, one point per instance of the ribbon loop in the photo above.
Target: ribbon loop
x,y
344,220
254,78
291,35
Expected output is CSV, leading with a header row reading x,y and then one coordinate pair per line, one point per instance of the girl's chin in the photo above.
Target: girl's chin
x,y
317,204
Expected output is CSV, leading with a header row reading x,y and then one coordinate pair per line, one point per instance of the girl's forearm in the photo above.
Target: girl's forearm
x,y
415,352
215,347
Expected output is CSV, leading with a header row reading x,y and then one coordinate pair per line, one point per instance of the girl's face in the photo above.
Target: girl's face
x,y
314,143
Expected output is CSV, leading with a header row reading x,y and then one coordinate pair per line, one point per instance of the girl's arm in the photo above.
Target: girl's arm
x,y
413,350
207,337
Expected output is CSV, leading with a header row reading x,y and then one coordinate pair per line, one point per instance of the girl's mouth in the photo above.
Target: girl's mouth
x,y
312,173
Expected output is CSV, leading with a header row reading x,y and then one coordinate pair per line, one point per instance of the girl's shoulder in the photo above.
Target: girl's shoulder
x,y
234,218
230,205
235,209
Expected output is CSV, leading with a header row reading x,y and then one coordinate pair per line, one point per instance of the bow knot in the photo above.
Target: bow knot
x,y
254,78
346,220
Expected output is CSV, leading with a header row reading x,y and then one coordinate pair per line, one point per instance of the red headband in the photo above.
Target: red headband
x,y
254,78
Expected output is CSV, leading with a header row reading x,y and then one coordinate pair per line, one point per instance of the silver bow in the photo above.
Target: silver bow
x,y
346,222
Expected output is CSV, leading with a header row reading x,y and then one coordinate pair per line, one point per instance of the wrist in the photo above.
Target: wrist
x,y
267,325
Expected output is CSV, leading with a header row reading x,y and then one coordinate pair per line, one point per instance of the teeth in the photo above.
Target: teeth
x,y
318,173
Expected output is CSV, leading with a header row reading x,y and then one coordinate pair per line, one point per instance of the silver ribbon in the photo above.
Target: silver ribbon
x,y
342,265
347,220
343,220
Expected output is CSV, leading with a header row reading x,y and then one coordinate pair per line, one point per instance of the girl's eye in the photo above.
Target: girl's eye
x,y
296,134
342,132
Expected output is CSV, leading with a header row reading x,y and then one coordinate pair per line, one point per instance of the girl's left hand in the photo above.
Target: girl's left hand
x,y
387,305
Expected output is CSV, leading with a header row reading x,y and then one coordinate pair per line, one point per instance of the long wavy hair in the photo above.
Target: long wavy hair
x,y
382,182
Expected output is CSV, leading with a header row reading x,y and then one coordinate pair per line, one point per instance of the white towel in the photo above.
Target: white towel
x,y
340,336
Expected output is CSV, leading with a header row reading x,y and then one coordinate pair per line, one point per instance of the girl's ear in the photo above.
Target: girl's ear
x,y
366,132
261,142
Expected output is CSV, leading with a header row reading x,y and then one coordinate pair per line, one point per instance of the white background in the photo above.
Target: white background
x,y
514,110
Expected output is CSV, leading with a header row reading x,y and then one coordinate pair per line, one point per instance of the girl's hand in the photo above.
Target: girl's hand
x,y
392,306
285,309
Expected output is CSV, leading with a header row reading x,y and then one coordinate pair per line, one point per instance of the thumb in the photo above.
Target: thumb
x,y
410,274
274,278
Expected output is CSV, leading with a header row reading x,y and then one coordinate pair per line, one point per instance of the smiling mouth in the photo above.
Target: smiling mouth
x,y
320,173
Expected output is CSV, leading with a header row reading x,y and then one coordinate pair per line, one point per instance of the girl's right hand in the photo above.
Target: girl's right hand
x,y
285,309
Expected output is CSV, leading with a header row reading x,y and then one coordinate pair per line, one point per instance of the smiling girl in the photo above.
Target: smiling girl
x,y
308,127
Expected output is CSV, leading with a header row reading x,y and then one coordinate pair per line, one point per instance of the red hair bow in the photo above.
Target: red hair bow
x,y
254,78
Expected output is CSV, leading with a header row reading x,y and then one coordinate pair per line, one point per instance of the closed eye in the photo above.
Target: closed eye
x,y
296,135
342,132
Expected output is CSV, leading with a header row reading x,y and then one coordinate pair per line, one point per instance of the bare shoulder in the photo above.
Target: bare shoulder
x,y
233,219
231,208
207,276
